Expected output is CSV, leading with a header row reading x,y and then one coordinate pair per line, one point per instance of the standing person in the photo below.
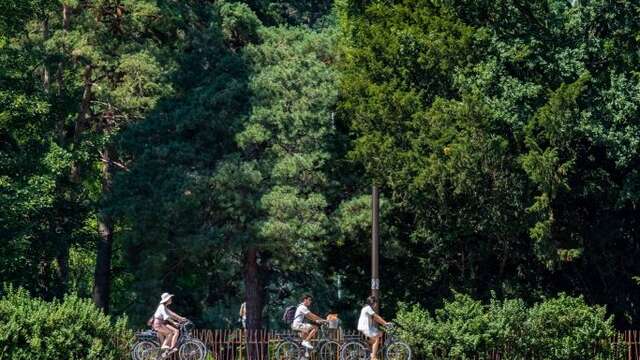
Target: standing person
x,y
243,314
161,323
307,331
368,325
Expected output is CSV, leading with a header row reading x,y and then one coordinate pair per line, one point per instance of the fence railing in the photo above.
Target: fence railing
x,y
256,344
628,344
261,344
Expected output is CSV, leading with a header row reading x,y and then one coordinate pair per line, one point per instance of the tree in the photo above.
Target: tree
x,y
284,149
44,210
493,129
290,12
162,201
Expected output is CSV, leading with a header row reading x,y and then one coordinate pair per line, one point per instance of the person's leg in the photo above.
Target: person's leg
x,y
164,335
369,343
312,333
174,335
307,331
374,347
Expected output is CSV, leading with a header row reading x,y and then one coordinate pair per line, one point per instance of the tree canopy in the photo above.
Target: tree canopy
x,y
225,151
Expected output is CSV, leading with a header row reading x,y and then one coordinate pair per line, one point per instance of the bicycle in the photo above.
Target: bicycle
x,y
147,345
392,348
291,346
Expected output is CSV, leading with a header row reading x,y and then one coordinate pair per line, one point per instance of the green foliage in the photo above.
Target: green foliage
x,y
271,194
503,135
292,12
68,85
557,328
163,202
494,130
239,24
72,328
568,328
235,159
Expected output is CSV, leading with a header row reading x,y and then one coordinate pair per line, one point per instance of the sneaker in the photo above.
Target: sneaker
x,y
307,345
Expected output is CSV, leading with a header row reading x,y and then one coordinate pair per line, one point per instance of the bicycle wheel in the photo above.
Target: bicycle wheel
x,y
353,351
203,346
140,347
200,343
192,349
288,350
330,350
398,351
154,353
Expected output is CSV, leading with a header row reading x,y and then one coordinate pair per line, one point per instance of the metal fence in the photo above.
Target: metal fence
x,y
261,344
255,345
628,344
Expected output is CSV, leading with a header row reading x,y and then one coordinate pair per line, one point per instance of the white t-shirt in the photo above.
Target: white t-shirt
x,y
161,313
301,312
365,322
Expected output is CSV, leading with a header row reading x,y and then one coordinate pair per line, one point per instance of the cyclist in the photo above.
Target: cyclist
x,y
367,324
164,323
307,331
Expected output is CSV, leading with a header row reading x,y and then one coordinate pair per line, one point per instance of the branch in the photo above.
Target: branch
x,y
111,162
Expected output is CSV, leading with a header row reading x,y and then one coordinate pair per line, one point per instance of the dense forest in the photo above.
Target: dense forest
x,y
225,151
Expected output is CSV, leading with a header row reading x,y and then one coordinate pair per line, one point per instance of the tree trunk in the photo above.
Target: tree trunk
x,y
45,68
102,276
66,22
85,103
253,299
253,290
63,270
59,73
66,16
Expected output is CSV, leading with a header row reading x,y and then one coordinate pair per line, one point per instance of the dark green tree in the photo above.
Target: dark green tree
x,y
495,132
273,189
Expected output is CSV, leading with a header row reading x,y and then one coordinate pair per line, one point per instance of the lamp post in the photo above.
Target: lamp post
x,y
375,244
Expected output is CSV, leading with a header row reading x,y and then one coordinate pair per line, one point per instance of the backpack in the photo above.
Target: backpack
x,y
289,314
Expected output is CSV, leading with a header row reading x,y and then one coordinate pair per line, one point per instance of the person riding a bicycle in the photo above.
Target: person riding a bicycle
x,y
368,325
165,322
306,330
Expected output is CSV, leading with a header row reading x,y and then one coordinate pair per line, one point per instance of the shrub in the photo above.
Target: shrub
x,y
74,328
562,328
568,328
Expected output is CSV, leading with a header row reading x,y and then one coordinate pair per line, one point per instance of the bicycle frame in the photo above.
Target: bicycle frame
x,y
388,339
154,336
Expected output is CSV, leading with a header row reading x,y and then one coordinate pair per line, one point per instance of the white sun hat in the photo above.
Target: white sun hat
x,y
165,297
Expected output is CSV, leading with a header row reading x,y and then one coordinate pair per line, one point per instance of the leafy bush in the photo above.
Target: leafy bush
x,y
34,329
567,328
562,328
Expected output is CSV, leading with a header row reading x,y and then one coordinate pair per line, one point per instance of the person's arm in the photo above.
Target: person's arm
x,y
377,318
175,316
314,317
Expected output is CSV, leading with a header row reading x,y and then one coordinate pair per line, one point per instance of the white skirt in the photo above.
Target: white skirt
x,y
371,332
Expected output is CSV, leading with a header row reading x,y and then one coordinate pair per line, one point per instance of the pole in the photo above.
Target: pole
x,y
375,244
